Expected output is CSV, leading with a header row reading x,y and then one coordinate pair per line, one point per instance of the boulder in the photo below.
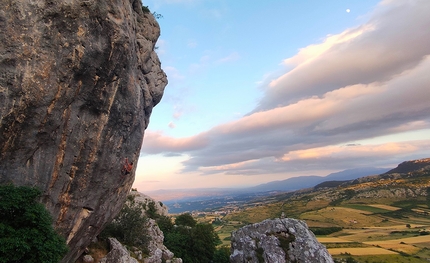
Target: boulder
x,y
158,253
118,253
78,82
87,259
160,208
277,241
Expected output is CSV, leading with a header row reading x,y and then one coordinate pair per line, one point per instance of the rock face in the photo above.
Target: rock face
x,y
158,253
78,81
118,253
279,240
161,209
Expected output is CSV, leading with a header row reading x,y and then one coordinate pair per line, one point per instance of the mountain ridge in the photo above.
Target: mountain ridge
x,y
290,184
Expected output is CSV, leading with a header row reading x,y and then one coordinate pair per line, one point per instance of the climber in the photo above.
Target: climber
x,y
127,167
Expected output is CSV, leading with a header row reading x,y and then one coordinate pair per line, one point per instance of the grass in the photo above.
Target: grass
x,y
369,208
393,258
373,230
374,238
360,251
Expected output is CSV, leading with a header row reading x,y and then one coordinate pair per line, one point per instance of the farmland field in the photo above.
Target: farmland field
x,y
372,221
369,232
360,251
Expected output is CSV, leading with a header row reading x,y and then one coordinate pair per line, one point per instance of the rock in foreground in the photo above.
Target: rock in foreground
x,y
118,253
277,241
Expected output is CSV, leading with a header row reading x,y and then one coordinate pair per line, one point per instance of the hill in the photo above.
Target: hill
x,y
301,182
378,218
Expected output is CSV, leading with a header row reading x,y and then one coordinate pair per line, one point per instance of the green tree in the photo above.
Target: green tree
x,y
222,255
195,244
180,243
165,224
129,225
26,232
185,219
151,210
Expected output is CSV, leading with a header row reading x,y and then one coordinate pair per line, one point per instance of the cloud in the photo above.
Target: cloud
x,y
363,83
231,57
177,114
394,40
157,142
192,44
172,125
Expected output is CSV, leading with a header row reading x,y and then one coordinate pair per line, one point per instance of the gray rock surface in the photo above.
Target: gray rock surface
x,y
158,253
78,82
87,259
277,241
118,253
161,209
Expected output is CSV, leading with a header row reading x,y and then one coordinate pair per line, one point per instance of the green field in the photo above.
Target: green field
x,y
375,231
369,232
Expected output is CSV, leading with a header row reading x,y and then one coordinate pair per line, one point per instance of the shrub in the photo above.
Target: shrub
x,y
129,225
185,219
145,9
192,242
151,210
26,232
222,255
164,223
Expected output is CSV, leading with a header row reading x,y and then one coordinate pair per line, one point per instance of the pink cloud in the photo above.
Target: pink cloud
x,y
364,83
157,142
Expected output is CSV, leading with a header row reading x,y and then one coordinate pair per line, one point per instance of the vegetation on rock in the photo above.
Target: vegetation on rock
x,y
129,225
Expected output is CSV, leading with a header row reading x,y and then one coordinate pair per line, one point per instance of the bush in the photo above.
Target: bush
x,y
145,9
222,255
151,210
26,232
129,225
192,242
164,223
185,219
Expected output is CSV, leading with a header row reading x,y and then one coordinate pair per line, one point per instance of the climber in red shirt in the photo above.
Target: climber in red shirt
x,y
127,167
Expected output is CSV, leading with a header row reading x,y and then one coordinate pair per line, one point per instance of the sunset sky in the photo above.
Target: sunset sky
x,y
266,90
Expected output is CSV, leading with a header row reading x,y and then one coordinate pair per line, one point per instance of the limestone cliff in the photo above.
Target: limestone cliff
x,y
78,81
279,240
145,200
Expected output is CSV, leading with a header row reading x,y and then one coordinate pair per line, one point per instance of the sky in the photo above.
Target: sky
x,y
262,91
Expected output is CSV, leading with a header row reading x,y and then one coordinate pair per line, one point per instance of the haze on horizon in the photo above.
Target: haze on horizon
x,y
262,92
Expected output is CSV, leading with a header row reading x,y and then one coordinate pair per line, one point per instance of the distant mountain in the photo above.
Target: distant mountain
x,y
287,185
410,166
404,195
296,183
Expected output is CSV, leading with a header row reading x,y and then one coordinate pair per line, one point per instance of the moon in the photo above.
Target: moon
x,y
348,10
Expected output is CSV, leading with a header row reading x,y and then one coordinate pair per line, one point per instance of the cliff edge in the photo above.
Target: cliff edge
x,y
78,81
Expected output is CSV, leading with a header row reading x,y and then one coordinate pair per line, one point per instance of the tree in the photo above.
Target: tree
x,y
222,255
151,210
129,225
26,232
164,223
185,219
205,242
193,244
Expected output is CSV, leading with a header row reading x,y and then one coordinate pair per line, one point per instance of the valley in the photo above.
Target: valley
x,y
383,218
